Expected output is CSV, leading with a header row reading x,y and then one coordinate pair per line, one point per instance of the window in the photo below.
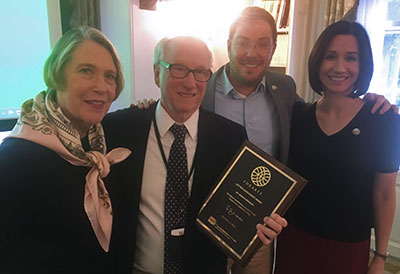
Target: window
x,y
391,51
385,41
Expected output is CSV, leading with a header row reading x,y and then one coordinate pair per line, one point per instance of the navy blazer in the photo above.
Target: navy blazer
x,y
218,141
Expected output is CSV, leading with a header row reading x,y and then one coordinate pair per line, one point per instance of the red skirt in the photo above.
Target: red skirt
x,y
302,253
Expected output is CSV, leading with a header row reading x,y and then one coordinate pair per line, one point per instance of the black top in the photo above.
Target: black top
x,y
337,201
43,224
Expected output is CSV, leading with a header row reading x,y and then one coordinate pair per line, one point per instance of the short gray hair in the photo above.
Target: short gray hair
x,y
164,43
61,54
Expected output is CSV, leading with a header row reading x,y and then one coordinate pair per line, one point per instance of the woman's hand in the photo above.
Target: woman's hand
x,y
376,266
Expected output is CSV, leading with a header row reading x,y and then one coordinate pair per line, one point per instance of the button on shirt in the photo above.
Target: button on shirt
x,y
149,256
256,112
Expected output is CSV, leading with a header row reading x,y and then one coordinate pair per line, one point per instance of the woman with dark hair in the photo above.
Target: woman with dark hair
x,y
55,210
350,158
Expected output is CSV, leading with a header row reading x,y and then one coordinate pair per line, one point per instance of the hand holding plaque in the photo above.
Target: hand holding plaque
x,y
254,185
272,227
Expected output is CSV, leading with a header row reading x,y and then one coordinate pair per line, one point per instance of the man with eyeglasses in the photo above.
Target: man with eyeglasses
x,y
245,91
158,240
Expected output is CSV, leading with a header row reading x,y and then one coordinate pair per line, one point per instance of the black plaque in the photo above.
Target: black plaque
x,y
254,185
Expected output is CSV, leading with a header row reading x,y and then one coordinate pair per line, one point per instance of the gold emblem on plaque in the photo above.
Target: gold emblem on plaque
x,y
212,220
260,176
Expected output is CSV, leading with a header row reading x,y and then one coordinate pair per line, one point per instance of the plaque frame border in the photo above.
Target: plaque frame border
x,y
280,208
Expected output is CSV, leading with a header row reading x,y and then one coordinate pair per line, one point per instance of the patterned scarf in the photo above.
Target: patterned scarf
x,y
41,121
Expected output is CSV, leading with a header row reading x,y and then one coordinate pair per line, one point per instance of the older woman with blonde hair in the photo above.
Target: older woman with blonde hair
x,y
55,210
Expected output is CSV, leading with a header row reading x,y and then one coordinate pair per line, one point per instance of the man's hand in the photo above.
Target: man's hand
x,y
380,103
144,104
273,225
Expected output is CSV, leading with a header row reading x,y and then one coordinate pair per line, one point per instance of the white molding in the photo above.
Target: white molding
x,y
116,24
305,28
54,21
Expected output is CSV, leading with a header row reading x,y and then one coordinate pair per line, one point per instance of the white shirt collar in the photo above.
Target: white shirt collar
x,y
164,122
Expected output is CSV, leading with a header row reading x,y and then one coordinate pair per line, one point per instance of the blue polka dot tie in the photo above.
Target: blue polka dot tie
x,y
176,199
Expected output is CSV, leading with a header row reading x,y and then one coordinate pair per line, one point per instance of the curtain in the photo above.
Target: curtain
x,y
76,13
340,9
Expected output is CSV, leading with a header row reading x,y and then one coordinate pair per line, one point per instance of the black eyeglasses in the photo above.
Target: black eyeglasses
x,y
182,71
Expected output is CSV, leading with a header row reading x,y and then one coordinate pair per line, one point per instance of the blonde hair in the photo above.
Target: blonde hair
x,y
61,54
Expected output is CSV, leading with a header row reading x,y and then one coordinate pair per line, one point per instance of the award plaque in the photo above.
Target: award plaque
x,y
254,185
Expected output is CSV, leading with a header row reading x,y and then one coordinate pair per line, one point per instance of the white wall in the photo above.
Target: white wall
x,y
116,25
305,27
145,37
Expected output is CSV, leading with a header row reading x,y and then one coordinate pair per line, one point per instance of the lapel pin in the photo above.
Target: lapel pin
x,y
356,131
274,88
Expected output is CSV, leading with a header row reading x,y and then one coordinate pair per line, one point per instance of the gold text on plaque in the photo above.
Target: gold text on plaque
x,y
260,176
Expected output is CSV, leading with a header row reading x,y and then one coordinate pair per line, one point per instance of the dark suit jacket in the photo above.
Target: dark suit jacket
x,y
218,140
282,90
